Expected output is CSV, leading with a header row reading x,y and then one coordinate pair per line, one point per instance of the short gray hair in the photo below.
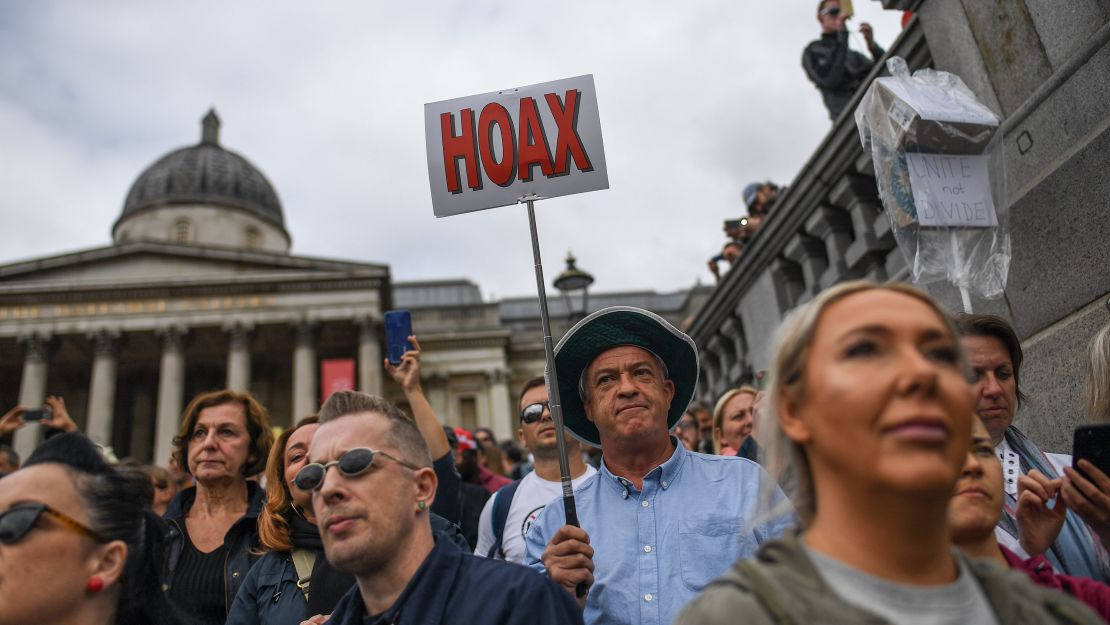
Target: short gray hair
x,y
583,390
403,432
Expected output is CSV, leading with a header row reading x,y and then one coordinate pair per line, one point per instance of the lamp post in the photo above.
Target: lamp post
x,y
571,280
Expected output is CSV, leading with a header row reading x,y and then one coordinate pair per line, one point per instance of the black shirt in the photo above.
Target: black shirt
x,y
198,587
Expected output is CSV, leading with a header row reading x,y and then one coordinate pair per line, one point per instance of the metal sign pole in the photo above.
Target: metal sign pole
x,y
553,400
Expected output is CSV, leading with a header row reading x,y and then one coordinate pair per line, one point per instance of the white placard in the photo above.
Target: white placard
x,y
951,190
493,149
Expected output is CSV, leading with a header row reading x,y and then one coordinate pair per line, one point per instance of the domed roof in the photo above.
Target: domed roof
x,y
207,174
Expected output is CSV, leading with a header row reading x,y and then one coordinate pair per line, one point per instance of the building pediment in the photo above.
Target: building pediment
x,y
146,265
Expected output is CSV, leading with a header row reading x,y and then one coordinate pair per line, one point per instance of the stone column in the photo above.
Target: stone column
x,y
435,388
369,357
171,393
304,370
102,387
239,357
32,391
499,404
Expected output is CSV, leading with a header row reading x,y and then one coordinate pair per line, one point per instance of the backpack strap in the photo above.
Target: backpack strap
x,y
502,501
303,559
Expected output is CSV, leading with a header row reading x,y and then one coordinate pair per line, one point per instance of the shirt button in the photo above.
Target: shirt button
x,y
664,484
648,597
647,548
644,504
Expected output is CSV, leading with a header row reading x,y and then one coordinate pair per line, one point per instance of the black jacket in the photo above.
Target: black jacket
x,y
241,540
456,588
837,70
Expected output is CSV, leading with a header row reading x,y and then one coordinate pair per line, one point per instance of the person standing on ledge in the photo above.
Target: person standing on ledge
x,y
837,71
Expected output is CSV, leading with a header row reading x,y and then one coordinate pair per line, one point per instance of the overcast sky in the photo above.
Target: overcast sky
x,y
696,98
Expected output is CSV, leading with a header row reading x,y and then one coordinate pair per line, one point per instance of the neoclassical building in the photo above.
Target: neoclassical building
x,y
199,291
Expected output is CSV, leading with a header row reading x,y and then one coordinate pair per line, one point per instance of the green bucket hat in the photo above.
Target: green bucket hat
x,y
613,327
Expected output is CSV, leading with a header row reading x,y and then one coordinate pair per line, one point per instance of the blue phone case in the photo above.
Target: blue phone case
x,y
398,328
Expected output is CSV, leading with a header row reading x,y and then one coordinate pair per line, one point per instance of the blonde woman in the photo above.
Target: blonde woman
x,y
1096,388
869,399
733,420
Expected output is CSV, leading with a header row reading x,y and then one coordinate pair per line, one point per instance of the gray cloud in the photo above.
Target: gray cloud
x,y
696,100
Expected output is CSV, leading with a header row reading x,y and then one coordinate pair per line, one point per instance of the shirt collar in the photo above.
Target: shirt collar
x,y
665,473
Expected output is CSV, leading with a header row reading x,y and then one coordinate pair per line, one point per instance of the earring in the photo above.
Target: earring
x,y
94,585
420,505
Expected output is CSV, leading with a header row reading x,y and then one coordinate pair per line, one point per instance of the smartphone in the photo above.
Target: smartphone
x,y
733,224
36,414
398,329
1092,443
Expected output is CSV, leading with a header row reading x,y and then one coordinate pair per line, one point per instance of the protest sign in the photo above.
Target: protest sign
x,y
951,190
493,149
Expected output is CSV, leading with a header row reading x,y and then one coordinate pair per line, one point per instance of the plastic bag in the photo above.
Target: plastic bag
x,y
939,167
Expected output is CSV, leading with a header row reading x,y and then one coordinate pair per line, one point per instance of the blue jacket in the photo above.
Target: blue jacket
x,y
270,595
456,588
241,539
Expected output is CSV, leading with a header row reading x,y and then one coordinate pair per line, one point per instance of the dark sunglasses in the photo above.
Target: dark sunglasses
x,y
831,11
533,412
18,520
352,463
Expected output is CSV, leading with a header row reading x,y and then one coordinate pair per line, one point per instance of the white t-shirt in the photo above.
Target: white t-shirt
x,y
533,494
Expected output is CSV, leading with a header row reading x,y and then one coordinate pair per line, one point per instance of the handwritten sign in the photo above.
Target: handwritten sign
x,y
492,149
951,190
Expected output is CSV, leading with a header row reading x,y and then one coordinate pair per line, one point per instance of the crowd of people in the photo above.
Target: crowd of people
x,y
838,72
873,475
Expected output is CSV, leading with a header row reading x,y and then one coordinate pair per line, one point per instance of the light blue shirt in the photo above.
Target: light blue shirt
x,y
656,548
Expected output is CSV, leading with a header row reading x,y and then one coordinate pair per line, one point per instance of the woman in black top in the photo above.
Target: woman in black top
x,y
212,540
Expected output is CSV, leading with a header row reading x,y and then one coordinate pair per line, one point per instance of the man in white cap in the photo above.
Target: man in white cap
x,y
658,522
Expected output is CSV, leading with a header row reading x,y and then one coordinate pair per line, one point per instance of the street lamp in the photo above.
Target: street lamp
x,y
571,280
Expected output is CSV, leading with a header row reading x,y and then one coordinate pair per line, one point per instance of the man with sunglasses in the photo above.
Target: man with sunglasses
x,y
837,71
372,484
510,512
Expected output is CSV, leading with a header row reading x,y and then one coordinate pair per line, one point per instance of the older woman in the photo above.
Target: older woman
x,y
225,437
976,506
75,543
869,396
733,421
995,355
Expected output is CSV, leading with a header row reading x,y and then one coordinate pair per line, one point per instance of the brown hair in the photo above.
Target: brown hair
x,y
402,431
258,426
275,520
994,327
529,385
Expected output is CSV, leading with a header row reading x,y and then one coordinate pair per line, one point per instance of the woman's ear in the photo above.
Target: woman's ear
x,y
791,420
109,561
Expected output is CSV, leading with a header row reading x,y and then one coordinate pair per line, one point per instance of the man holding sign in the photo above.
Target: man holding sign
x,y
658,522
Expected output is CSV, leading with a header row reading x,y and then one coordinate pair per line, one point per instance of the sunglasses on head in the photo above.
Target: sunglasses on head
x,y
533,412
18,520
831,11
352,463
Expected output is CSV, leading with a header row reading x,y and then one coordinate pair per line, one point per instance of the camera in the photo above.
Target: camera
x,y
36,414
